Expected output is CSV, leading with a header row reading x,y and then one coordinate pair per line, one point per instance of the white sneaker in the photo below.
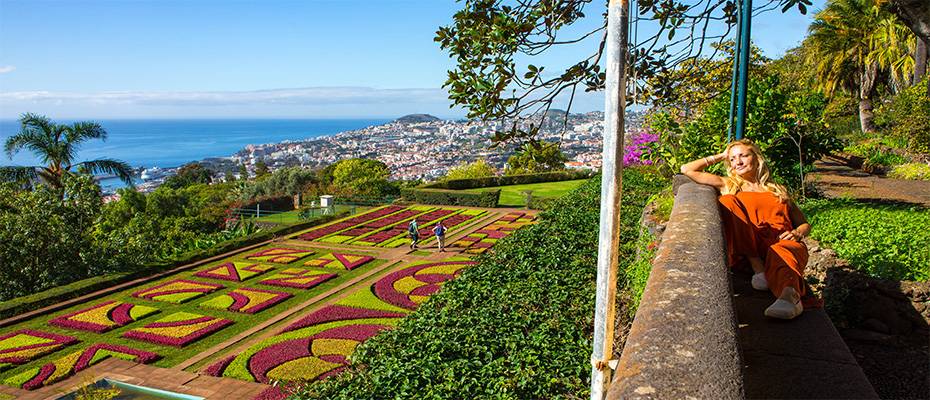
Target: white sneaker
x,y
759,282
784,309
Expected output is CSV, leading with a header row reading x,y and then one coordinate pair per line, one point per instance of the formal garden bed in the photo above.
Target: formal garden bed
x,y
187,315
169,320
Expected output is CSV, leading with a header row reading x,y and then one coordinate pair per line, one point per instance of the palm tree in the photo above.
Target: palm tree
x,y
56,145
852,42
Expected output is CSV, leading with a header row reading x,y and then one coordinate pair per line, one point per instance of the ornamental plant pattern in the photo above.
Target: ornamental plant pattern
x,y
299,278
411,286
178,329
75,362
348,223
177,291
25,345
452,223
234,271
377,225
400,230
344,261
103,317
318,345
280,255
485,238
246,300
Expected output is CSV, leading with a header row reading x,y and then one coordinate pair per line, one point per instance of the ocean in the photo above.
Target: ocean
x,y
171,143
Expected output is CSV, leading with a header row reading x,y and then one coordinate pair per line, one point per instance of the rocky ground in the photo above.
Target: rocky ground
x,y
884,323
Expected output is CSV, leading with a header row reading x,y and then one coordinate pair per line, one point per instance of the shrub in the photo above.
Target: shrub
x,y
913,171
517,325
452,197
493,181
885,241
908,115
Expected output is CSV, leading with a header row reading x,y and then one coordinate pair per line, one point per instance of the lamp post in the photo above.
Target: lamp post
x,y
744,50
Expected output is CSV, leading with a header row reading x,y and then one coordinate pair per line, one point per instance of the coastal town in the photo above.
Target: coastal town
x,y
419,146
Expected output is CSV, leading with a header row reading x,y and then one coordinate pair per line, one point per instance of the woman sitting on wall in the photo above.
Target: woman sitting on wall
x,y
763,227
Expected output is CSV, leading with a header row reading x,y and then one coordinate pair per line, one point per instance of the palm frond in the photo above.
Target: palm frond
x,y
110,166
18,174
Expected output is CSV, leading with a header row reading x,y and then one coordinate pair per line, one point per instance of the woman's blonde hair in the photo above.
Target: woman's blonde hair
x,y
733,183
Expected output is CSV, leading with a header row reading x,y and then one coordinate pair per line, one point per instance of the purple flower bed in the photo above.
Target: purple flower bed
x,y
25,353
339,313
384,288
637,152
178,333
326,230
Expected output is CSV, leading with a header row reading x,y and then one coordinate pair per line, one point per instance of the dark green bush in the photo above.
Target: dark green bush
x,y
885,241
517,325
451,197
492,181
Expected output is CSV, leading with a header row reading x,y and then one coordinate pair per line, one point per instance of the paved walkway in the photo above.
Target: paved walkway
x,y
802,358
835,178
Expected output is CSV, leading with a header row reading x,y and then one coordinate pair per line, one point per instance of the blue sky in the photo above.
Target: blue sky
x,y
188,59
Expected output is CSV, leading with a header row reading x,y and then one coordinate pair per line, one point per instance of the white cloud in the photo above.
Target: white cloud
x,y
311,102
7,69
297,96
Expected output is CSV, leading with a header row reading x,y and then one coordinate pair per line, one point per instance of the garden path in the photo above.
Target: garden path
x,y
835,178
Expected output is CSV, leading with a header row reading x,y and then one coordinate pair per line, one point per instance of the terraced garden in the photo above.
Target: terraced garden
x,y
294,309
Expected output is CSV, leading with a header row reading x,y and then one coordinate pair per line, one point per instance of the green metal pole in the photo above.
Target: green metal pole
x,y
746,22
736,54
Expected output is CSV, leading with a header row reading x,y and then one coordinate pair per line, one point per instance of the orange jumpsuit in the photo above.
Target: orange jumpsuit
x,y
752,222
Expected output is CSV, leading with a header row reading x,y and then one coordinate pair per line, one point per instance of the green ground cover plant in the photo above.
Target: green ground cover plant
x,y
512,196
517,325
169,355
912,171
882,240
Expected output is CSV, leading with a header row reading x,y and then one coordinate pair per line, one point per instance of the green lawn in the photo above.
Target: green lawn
x,y
512,196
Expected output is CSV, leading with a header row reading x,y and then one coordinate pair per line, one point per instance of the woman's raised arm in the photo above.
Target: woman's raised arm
x,y
695,170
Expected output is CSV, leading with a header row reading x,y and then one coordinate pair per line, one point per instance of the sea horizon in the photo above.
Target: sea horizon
x,y
172,142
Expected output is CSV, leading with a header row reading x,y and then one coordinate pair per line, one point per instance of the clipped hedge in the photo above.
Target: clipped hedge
x,y
492,181
58,294
451,197
518,325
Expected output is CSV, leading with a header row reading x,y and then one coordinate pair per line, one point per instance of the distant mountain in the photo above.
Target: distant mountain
x,y
416,118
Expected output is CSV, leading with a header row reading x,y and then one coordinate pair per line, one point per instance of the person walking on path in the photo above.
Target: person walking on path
x,y
440,231
762,226
414,232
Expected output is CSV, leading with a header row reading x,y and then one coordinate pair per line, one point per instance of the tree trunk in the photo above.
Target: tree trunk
x,y
866,89
915,14
920,61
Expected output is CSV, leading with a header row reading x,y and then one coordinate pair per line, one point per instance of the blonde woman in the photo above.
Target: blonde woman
x,y
763,227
